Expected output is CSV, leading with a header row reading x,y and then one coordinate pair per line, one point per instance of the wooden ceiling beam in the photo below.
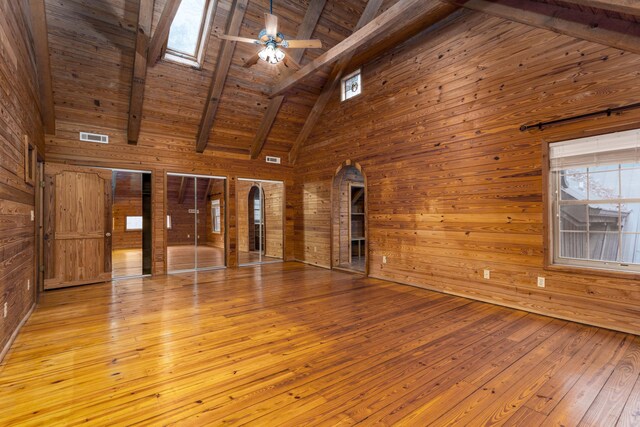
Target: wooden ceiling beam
x,y
206,193
236,15
161,33
183,188
305,31
624,35
43,62
387,23
631,7
136,98
429,16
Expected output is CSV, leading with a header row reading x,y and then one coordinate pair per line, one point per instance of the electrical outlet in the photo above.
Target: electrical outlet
x,y
33,216
28,284
384,259
487,274
6,309
541,282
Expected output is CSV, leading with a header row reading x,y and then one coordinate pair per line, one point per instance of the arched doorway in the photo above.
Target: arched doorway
x,y
348,219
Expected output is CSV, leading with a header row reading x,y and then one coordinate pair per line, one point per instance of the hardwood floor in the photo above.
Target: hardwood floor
x,y
289,344
182,257
126,262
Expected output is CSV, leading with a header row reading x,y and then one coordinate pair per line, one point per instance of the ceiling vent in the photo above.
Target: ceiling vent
x,y
273,159
94,137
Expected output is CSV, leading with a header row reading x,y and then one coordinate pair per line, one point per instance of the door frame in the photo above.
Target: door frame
x,y
334,198
284,220
226,222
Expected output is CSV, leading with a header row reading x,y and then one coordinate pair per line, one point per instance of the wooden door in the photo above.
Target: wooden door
x,y
77,225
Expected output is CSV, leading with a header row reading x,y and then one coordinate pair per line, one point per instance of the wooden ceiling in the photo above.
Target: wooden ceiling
x,y
92,46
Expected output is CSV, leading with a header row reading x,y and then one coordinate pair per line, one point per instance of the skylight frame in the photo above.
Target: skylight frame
x,y
194,61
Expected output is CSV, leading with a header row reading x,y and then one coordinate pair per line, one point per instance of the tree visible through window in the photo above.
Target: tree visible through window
x,y
189,31
596,201
351,85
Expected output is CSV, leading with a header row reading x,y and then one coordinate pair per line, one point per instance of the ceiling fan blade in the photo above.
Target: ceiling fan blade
x,y
304,44
290,63
271,24
251,60
238,39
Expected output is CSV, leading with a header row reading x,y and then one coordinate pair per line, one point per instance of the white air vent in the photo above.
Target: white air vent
x,y
272,159
94,137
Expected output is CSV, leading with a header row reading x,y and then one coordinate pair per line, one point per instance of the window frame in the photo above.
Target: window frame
x,y
126,223
216,204
550,243
344,79
193,61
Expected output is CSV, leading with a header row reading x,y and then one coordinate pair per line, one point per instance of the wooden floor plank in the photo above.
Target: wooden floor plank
x,y
291,344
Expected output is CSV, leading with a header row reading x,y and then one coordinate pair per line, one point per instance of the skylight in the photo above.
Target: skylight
x,y
189,32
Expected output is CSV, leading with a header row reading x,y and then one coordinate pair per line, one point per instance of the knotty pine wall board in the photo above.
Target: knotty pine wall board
x,y
453,186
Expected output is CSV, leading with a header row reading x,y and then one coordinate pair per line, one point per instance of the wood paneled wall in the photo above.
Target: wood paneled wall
x,y
19,116
453,186
217,192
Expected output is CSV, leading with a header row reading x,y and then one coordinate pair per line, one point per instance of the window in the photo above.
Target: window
x,y
351,85
133,223
215,216
168,222
595,210
189,32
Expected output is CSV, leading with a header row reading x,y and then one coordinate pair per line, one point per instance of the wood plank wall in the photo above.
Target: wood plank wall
x,y
217,192
454,187
19,116
127,201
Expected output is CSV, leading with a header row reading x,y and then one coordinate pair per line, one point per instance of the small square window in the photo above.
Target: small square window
x,y
133,223
351,85
168,222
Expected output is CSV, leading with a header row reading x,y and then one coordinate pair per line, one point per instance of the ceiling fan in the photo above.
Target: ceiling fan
x,y
273,43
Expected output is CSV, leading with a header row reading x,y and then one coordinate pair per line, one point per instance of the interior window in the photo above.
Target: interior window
x,y
189,31
596,201
133,223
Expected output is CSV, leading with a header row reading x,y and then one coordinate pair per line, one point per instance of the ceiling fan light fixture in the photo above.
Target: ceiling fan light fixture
x,y
271,53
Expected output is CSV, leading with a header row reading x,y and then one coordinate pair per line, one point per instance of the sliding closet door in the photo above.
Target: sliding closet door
x,y
260,213
181,220
211,223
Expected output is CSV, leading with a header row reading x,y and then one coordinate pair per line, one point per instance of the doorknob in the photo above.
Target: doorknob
x,y
108,234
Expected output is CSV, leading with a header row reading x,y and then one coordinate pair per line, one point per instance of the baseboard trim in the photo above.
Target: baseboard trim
x,y
14,335
326,267
509,305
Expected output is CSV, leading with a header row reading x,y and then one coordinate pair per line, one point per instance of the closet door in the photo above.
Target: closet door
x,y
78,223
181,223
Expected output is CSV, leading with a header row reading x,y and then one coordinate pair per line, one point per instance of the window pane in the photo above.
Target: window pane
x,y
630,249
134,223
573,186
573,217
184,34
573,244
603,168
604,185
603,246
604,217
630,183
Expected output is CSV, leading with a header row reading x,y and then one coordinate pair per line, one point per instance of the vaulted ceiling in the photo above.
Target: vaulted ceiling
x,y
93,43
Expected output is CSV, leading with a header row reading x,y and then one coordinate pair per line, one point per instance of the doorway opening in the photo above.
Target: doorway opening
x,y
131,223
348,213
195,222
260,221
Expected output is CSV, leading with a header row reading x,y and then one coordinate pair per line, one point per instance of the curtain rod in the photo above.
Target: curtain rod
x,y
607,112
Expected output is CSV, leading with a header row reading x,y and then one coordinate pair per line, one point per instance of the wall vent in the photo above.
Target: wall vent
x,y
94,137
273,159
